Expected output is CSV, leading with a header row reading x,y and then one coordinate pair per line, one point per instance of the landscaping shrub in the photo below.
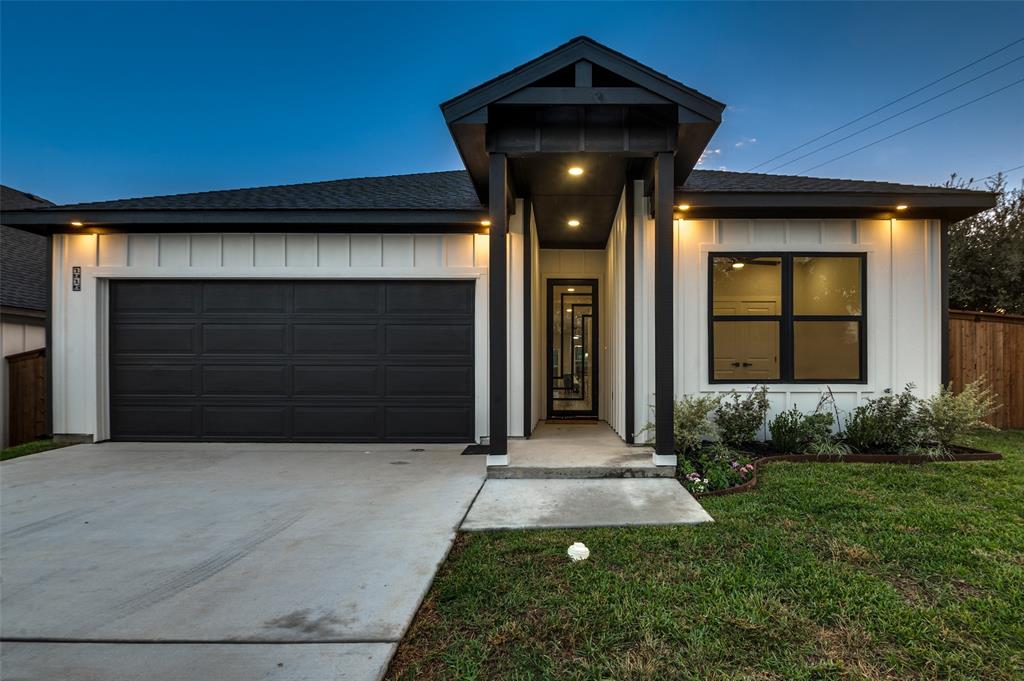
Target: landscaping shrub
x,y
691,423
796,432
740,417
946,417
891,423
714,467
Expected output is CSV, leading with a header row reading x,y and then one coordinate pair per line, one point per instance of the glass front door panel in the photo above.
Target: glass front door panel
x,y
573,349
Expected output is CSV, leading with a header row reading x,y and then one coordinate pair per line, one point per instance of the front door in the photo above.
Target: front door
x,y
572,348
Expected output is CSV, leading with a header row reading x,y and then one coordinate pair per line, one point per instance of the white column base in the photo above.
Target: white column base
x,y
497,459
663,459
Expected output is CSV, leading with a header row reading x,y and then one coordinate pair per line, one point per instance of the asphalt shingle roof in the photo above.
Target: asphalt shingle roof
x,y
22,256
453,190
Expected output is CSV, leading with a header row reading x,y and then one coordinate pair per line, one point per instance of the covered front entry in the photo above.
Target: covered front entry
x,y
573,325
313,361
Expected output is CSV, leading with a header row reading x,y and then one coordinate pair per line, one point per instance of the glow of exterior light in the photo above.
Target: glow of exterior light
x,y
568,309
901,207
737,266
575,337
684,206
574,223
575,171
485,223
571,290
77,224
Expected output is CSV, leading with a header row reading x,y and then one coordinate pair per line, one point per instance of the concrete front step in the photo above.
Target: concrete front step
x,y
514,472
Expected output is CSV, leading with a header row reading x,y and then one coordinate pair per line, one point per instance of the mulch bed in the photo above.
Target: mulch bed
x,y
958,454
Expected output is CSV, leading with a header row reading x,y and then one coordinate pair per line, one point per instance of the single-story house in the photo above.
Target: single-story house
x,y
579,266
23,286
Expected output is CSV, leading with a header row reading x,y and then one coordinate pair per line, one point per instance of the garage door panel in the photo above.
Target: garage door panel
x,y
422,381
327,339
156,421
331,361
407,423
344,381
151,379
253,297
245,379
245,338
337,422
155,297
429,298
429,339
154,338
241,422
361,297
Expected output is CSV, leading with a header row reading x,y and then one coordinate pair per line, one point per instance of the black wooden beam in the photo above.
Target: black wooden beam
x,y
584,73
497,321
630,387
663,305
527,319
50,350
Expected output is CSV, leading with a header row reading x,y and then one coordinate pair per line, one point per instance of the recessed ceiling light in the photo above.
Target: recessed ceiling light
x,y
684,206
77,224
485,223
737,266
902,206
571,290
574,223
576,171
568,309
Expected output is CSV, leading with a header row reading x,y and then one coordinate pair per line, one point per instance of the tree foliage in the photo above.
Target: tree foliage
x,y
986,253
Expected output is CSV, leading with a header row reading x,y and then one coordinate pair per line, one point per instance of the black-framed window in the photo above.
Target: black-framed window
x,y
787,317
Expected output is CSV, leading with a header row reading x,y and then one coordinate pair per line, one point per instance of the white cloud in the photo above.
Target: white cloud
x,y
746,142
708,154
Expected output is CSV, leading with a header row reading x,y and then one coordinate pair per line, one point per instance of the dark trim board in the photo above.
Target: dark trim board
x,y
664,307
548,334
944,297
497,276
630,314
527,319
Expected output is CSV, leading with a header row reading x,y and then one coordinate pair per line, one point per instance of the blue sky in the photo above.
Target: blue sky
x,y
103,101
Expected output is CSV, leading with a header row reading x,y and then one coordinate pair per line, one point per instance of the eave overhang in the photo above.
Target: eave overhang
x,y
951,207
51,221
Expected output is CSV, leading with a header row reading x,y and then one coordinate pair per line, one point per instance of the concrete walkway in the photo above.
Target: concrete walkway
x,y
221,561
538,504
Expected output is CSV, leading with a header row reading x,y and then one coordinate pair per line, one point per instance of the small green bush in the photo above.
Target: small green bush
x,y
794,431
890,423
740,417
947,417
691,423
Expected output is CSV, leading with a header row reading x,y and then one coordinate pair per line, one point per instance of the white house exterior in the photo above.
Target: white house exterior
x,y
703,281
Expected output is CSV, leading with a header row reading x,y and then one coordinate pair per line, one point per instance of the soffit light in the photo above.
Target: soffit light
x,y
902,206
684,206
575,171
737,266
574,223
485,223
571,290
76,223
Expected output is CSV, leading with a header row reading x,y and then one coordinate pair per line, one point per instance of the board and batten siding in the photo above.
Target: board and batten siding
x,y
904,303
80,331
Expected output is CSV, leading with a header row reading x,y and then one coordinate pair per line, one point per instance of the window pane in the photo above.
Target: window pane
x,y
746,351
747,286
826,285
826,350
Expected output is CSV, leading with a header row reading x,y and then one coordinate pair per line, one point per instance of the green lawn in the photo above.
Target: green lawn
x,y
27,448
841,571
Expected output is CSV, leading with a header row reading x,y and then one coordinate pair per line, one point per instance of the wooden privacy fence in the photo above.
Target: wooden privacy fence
x,y
990,345
26,384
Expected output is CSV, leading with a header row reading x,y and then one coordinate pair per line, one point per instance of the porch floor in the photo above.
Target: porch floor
x,y
577,449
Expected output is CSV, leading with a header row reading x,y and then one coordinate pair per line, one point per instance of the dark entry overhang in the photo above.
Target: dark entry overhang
x,y
580,104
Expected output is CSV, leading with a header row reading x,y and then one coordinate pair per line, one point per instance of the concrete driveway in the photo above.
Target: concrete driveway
x,y
123,561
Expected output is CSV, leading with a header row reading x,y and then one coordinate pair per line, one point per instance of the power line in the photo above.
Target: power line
x,y
915,125
885,106
1007,171
895,115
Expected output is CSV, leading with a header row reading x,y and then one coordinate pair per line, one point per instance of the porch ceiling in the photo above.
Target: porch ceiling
x,y
558,197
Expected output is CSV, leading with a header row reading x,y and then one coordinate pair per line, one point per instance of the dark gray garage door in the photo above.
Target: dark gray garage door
x,y
318,361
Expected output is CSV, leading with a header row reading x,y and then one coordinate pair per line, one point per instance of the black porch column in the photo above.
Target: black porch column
x,y
496,314
664,195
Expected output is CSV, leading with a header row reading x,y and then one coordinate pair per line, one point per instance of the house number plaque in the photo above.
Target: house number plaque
x,y
76,278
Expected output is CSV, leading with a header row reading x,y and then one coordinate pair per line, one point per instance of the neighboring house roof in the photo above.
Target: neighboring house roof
x,y
22,256
452,190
